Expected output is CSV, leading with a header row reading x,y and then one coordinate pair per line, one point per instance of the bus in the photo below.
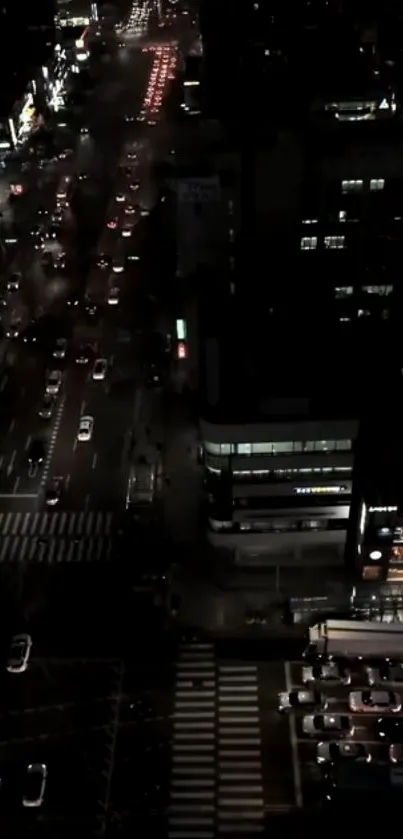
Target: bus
x,y
355,639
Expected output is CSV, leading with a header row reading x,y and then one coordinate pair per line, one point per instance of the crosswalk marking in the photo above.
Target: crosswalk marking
x,y
56,537
239,790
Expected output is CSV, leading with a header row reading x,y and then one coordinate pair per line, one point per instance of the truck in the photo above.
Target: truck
x,y
355,639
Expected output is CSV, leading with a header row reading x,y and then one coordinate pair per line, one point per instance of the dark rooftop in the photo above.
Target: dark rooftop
x,y
253,370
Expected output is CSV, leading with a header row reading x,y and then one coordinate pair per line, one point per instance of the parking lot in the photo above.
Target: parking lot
x,y
62,714
308,775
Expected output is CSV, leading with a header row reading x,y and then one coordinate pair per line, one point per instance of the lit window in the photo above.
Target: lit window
x,y
380,290
341,292
376,184
351,186
309,243
335,242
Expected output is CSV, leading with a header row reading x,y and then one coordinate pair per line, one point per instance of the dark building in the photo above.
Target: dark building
x,y
27,38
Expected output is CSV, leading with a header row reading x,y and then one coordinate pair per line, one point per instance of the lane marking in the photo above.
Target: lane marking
x,y
294,742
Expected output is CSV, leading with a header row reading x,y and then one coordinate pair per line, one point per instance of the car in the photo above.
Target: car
x,y
130,210
330,752
384,672
59,261
35,785
120,197
14,328
84,354
19,653
103,261
287,700
51,232
60,348
99,369
374,701
328,724
36,451
13,282
389,728
126,230
46,407
83,130
53,382
396,752
113,296
73,302
129,118
85,429
330,672
53,492
91,309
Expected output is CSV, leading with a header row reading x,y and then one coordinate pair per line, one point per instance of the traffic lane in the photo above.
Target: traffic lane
x,y
97,478
277,765
23,395
61,463
54,683
51,721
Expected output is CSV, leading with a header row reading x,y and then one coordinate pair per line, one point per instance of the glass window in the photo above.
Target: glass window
x,y
335,242
341,292
381,290
262,448
309,243
376,184
351,186
325,445
283,448
298,446
212,448
244,448
343,445
226,448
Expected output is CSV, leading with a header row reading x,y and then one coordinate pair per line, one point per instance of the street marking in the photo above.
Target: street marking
x,y
294,742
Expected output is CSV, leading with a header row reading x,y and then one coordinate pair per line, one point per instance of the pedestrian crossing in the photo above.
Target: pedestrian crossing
x,y
55,537
216,775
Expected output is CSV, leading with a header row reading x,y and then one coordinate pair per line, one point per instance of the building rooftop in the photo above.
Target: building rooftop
x,y
254,369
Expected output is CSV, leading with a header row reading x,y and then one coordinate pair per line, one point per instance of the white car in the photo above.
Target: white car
x,y
60,348
330,672
127,230
306,699
35,785
53,382
374,701
99,369
13,282
396,753
321,725
14,328
19,653
120,198
85,429
113,296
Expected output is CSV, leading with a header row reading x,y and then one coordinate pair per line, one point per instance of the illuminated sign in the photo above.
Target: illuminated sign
x,y
181,330
182,351
383,509
319,490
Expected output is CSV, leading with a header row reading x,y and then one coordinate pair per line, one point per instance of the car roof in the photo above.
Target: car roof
x,y
87,419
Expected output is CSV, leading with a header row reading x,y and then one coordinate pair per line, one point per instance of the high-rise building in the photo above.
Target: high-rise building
x,y
297,340
27,38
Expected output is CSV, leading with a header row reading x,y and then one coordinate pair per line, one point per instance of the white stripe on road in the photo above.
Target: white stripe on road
x,y
240,741
208,771
247,720
203,796
193,782
233,697
255,753
199,747
246,729
193,759
240,689
196,646
237,679
182,684
192,726
240,776
242,668
236,709
240,828
240,764
197,712
235,815
193,736
241,802
194,694
242,788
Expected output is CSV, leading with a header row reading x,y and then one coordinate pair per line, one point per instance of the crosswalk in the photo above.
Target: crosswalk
x,y
216,776
56,537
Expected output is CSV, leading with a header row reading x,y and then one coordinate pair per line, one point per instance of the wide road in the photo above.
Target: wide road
x,y
93,474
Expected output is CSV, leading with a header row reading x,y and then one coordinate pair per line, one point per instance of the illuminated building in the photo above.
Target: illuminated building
x,y
75,13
